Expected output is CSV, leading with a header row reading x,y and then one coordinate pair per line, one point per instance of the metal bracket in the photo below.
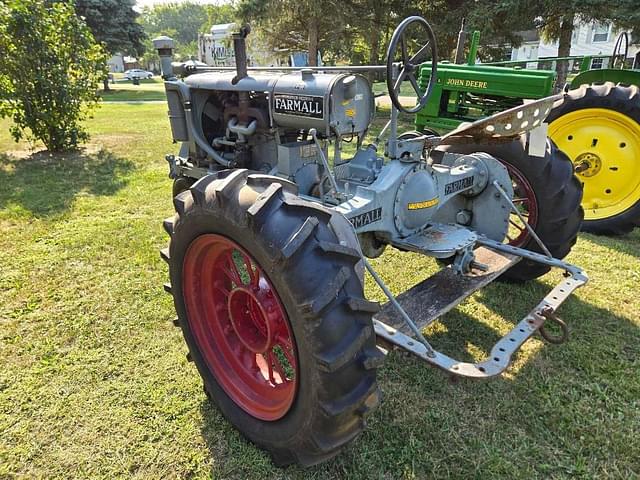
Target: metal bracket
x,y
501,353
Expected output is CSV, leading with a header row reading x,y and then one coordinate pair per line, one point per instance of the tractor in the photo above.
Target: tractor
x,y
597,123
273,231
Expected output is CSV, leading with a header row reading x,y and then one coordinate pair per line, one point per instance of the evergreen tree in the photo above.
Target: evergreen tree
x,y
113,23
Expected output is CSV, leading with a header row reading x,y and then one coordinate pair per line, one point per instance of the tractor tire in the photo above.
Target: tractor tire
x,y
552,192
598,127
268,289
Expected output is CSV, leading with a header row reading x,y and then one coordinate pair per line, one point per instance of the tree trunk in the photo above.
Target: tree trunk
x,y
314,34
374,41
105,84
564,50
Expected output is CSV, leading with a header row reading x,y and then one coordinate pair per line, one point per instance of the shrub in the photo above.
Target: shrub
x,y
50,68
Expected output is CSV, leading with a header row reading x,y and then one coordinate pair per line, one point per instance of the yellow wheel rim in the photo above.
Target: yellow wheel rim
x,y
604,146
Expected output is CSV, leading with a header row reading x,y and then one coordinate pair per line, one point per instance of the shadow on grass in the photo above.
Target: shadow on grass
x,y
46,184
629,243
554,410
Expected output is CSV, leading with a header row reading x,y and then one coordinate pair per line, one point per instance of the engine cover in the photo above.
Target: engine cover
x,y
416,200
333,104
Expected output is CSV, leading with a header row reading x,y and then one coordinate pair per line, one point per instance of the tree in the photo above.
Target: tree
x,y
183,22
113,23
304,25
50,68
556,20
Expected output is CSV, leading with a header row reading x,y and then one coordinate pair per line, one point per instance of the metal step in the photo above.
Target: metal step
x,y
441,292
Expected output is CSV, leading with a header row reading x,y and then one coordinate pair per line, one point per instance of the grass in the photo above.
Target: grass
x,y
406,90
126,91
94,380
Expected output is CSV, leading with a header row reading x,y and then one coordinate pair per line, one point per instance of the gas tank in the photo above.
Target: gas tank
x,y
333,104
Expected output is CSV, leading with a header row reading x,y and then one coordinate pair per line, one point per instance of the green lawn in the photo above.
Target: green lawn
x,y
406,90
125,91
94,381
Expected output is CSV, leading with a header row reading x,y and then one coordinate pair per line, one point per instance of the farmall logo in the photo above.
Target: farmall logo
x,y
299,105
458,185
366,218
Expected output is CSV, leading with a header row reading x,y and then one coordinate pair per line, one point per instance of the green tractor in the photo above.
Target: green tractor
x,y
597,123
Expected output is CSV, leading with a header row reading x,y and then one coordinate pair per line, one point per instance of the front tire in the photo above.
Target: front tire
x,y
302,280
598,127
553,193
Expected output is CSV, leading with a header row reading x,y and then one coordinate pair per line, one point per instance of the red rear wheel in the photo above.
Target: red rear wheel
x,y
525,201
240,326
269,297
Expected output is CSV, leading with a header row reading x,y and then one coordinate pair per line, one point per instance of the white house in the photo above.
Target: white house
x,y
588,39
216,48
116,64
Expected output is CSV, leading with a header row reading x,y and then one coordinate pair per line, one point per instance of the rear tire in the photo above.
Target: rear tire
x,y
612,184
309,257
557,195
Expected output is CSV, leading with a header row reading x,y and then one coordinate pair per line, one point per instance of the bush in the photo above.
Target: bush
x,y
50,68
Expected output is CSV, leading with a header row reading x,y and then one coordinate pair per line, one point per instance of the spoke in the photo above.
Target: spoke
x,y
253,274
522,229
520,200
221,288
403,49
279,369
255,316
284,342
416,87
267,360
287,349
232,270
416,58
400,79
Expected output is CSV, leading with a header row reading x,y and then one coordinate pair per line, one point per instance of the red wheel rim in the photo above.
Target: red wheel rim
x,y
240,326
525,201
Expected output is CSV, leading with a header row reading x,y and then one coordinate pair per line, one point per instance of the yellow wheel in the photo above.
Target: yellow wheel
x,y
598,127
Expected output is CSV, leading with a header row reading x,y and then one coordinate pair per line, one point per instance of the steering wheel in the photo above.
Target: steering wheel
x,y
407,66
618,52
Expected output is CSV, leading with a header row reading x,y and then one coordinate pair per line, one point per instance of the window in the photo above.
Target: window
x,y
601,32
596,63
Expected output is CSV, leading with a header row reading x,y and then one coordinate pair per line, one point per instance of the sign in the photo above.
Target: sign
x,y
458,82
299,105
366,218
420,205
458,185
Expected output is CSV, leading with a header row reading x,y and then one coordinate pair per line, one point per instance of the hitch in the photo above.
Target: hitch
x,y
446,289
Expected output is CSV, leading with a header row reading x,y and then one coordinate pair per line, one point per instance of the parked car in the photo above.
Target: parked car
x,y
137,73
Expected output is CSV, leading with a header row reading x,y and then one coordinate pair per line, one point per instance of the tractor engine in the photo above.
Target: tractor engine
x,y
263,122
289,125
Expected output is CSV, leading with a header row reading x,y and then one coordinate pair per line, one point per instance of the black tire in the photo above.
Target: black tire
x,y
181,184
558,195
619,98
310,255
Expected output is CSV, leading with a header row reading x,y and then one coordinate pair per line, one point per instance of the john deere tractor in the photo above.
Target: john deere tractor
x,y
596,123
273,229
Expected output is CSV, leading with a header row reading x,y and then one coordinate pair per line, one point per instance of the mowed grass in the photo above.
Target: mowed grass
x,y
94,381
125,91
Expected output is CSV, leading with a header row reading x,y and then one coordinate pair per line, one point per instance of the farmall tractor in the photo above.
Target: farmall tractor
x,y
273,229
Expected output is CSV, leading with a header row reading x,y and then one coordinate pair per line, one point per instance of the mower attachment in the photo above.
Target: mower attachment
x,y
428,300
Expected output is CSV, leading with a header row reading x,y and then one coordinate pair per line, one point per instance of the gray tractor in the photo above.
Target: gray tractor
x,y
273,229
